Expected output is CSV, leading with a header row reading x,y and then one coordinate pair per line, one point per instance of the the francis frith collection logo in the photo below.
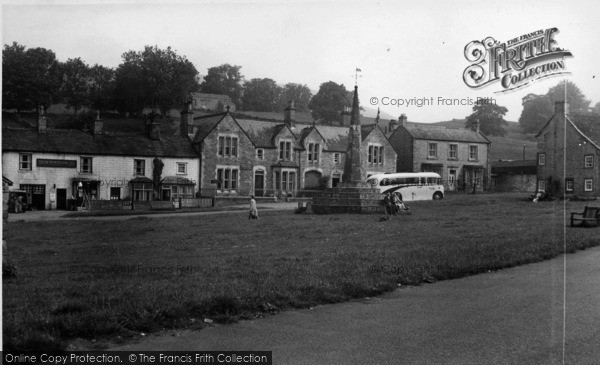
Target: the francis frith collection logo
x,y
516,62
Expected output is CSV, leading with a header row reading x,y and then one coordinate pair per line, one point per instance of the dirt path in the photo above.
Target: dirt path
x,y
513,316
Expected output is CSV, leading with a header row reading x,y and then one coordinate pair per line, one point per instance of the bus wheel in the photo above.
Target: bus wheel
x,y
437,196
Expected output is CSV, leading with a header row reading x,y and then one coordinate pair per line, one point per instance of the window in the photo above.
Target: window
x,y
139,167
473,153
285,180
25,161
542,185
336,158
541,159
453,151
142,191
227,179
313,152
375,155
115,193
86,164
181,168
227,146
569,184
588,184
589,161
285,150
432,150
181,191
260,154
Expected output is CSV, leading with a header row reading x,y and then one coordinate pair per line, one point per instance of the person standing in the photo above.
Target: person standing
x,y
253,209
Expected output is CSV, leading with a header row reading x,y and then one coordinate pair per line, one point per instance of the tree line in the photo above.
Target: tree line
x,y
151,78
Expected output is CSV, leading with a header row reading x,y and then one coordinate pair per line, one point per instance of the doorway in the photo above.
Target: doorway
x,y
259,183
61,199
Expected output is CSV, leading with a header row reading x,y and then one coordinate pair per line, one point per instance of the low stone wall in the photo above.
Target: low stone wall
x,y
197,203
140,205
106,205
162,205
222,201
348,200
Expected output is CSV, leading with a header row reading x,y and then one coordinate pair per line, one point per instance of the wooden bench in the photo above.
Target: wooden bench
x,y
589,215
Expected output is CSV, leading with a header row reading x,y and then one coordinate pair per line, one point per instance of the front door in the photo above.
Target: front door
x,y
259,183
61,199
451,183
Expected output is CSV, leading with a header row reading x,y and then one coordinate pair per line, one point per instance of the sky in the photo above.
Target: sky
x,y
404,49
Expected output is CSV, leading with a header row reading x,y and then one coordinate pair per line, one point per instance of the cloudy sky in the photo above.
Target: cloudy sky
x,y
405,50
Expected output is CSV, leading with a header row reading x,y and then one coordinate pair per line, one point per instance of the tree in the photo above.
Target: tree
x,y
596,108
102,87
299,93
537,110
30,78
490,117
76,84
577,101
155,78
261,95
224,80
329,101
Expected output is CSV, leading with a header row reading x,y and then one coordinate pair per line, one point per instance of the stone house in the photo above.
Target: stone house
x,y
56,165
243,156
568,153
459,156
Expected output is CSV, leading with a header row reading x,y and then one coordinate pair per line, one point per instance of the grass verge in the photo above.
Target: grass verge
x,y
115,279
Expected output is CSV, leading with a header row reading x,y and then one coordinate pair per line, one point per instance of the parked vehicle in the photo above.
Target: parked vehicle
x,y
410,186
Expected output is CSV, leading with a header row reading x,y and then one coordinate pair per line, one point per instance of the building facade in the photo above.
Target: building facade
x,y
459,156
242,156
57,165
568,153
519,175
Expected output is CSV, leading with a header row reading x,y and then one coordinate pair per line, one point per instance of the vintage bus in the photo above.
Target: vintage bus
x,y
410,185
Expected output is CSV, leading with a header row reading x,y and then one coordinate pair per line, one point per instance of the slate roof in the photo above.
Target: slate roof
x,y
516,166
589,125
336,138
260,132
429,132
80,142
206,124
176,180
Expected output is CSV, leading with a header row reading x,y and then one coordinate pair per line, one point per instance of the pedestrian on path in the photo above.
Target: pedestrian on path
x,y
253,209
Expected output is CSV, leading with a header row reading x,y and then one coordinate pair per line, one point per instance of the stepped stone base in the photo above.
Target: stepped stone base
x,y
353,199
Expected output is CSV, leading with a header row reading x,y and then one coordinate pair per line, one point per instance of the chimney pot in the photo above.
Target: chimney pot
x,y
289,114
187,119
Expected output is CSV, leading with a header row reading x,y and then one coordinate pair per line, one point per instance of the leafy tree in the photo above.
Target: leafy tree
x,y
30,78
596,108
329,101
261,95
577,101
537,110
490,117
154,77
224,80
76,84
102,87
299,93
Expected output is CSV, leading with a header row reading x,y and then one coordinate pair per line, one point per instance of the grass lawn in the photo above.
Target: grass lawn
x,y
111,280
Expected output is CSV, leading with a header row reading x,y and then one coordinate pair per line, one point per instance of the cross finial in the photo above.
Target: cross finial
x,y
227,107
356,76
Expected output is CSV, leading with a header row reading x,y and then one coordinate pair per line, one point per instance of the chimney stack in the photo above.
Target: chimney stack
x,y
289,115
187,119
561,107
98,125
42,122
393,125
402,120
477,126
